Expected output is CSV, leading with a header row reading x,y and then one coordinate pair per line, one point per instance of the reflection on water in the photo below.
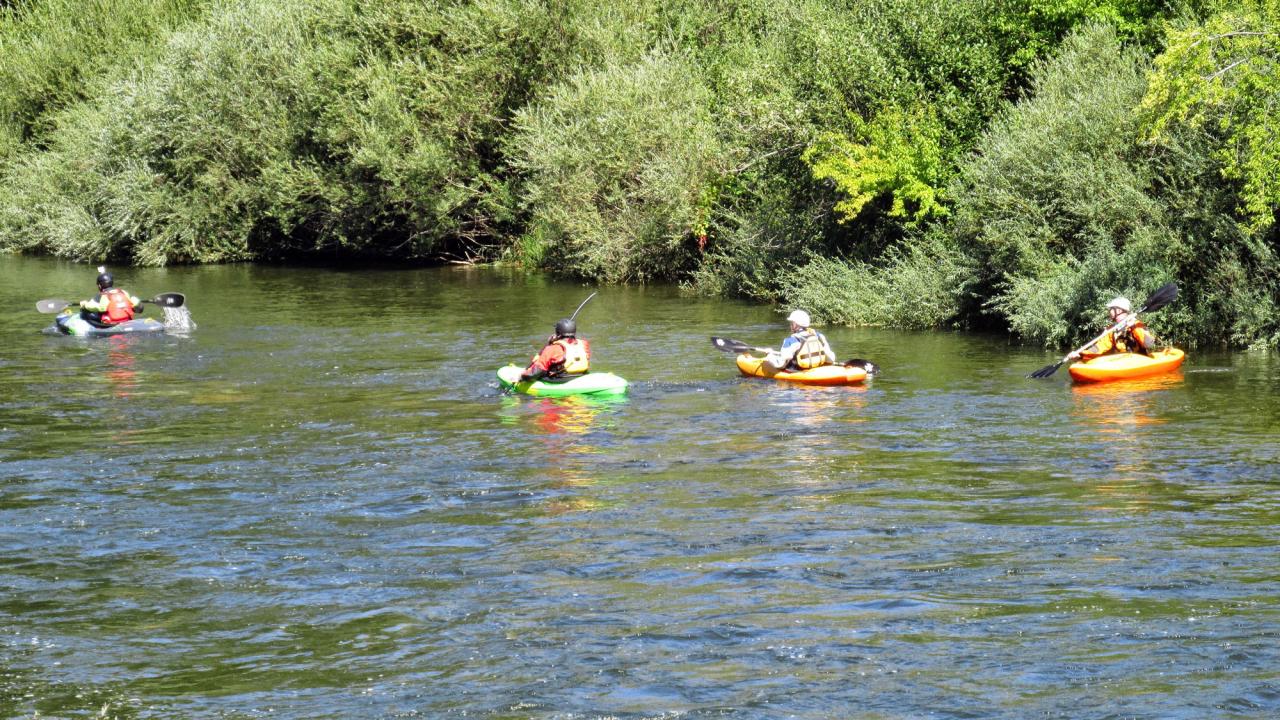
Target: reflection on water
x,y
1164,381
1120,405
1125,414
571,415
805,418
122,372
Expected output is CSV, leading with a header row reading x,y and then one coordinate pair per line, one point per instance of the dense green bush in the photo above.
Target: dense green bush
x,y
1064,207
616,161
276,129
843,77
1223,75
58,52
182,161
1053,203
920,163
925,285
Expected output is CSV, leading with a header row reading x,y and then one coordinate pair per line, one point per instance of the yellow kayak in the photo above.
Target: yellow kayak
x,y
825,375
1122,366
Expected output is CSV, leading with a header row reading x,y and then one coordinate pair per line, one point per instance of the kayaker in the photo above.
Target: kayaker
x,y
804,349
1130,335
564,354
113,305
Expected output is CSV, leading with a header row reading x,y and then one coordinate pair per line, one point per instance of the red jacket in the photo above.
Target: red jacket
x,y
552,360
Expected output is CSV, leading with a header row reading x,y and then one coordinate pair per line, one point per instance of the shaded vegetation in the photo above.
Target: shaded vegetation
x,y
985,163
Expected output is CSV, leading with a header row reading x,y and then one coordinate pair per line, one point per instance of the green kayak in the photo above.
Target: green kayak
x,y
592,383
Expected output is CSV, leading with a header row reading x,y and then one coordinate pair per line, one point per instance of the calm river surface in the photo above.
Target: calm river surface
x,y
318,504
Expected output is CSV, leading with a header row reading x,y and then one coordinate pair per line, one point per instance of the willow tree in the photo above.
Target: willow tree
x,y
1224,76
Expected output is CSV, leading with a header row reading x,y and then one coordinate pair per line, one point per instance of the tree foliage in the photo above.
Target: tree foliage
x,y
613,191
1063,207
1223,75
899,162
58,52
898,154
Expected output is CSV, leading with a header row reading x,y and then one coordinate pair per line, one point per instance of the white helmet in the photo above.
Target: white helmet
x,y
1122,303
799,317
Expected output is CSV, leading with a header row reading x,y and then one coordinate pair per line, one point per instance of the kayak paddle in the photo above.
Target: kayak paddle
x,y
735,346
1165,295
870,367
584,302
51,306
738,347
166,299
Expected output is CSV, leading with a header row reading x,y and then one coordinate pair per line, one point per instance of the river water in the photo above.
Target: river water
x,y
318,504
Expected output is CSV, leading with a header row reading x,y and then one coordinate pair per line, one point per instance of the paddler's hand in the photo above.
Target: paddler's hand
x,y
1073,356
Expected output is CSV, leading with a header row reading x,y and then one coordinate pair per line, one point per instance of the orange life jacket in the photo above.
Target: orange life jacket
x,y
119,307
1128,341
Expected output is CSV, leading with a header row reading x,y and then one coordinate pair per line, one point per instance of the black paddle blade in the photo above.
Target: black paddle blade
x,y
1165,295
169,299
1047,370
870,367
728,345
51,306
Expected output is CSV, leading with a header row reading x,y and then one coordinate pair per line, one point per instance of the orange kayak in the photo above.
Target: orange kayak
x,y
1122,366
825,375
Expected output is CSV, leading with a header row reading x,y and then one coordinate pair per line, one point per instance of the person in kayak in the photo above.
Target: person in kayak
x,y
804,349
113,305
1130,335
564,354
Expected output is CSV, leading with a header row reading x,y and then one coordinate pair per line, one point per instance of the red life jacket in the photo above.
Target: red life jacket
x,y
119,307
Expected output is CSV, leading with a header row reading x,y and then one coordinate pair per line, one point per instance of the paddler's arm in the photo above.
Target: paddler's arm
x,y
99,305
542,362
534,371
1102,347
778,359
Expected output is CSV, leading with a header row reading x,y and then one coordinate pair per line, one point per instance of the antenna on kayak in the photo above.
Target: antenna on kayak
x,y
584,302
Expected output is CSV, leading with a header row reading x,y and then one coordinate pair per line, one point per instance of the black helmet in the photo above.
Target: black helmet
x,y
566,328
104,279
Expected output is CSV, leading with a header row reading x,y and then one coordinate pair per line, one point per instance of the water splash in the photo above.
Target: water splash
x,y
178,319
